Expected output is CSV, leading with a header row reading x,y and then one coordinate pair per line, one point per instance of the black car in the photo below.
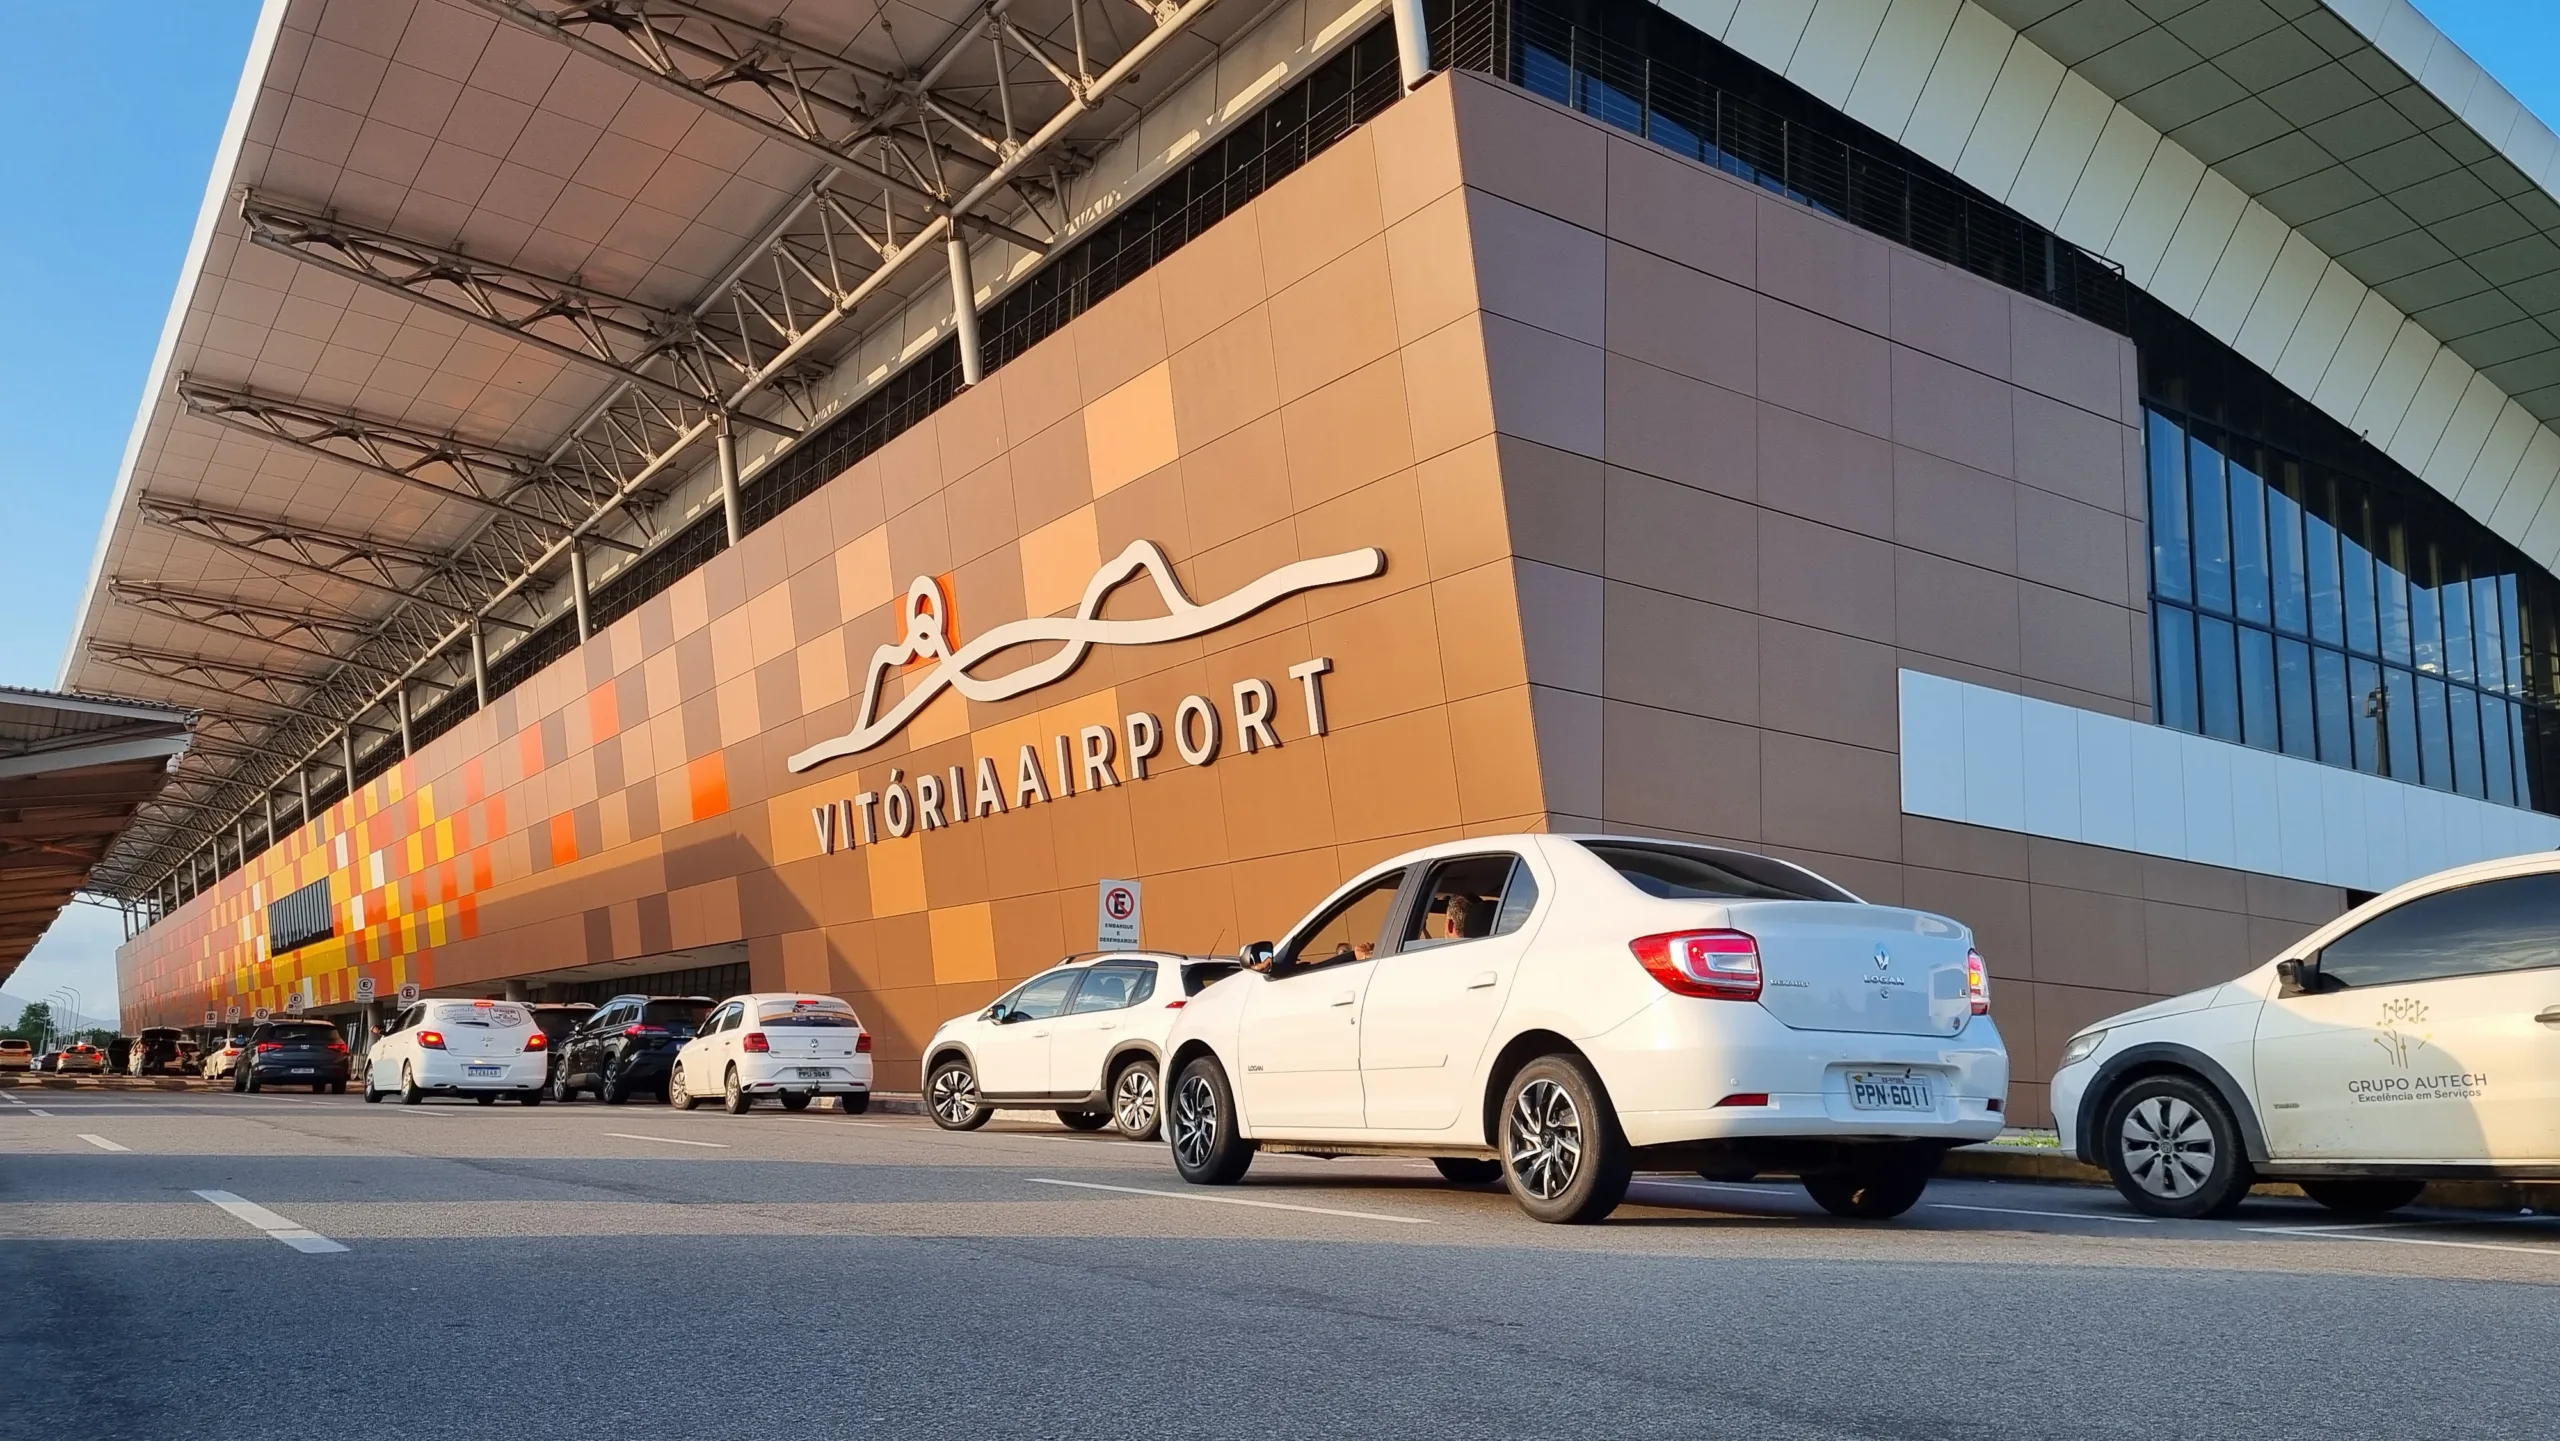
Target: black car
x,y
293,1053
155,1052
626,1046
557,1020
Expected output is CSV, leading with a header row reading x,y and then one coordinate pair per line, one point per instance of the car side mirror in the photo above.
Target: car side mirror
x,y
1256,956
995,1013
2297,978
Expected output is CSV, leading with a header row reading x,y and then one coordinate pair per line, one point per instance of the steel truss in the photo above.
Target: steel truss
x,y
915,156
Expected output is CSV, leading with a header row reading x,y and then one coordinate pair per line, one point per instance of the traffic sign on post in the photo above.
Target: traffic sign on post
x,y
234,1017
213,1018
261,1014
409,994
364,990
293,1004
1116,928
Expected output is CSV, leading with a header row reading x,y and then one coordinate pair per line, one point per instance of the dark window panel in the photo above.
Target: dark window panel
x,y
2462,711
2368,706
2511,630
2260,724
2435,737
2338,719
2249,592
2497,751
2177,649
2166,445
2391,579
2284,555
2293,692
2488,637
2426,614
2453,598
2209,522
2400,704
2219,692
2328,602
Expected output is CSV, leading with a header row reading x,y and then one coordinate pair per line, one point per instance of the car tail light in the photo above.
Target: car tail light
x,y
1977,983
1175,1005
432,1040
1719,965
1746,1098
862,1044
338,1047
637,1031
266,1046
537,1042
753,1041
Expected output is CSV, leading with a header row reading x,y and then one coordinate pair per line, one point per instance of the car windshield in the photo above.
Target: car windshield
x,y
687,1014
495,1013
1702,873
807,1011
1201,975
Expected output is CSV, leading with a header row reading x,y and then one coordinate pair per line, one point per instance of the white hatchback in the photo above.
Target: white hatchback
x,y
1084,1039
2415,1037
790,1045
1559,1011
480,1049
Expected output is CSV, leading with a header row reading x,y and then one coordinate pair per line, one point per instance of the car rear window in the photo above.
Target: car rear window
x,y
316,1030
559,1020
674,1013
807,1011
1699,873
500,1014
15,1046
1201,975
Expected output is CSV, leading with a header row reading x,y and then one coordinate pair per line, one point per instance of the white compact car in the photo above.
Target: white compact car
x,y
1084,1039
2415,1037
1559,1011
790,1045
222,1057
480,1049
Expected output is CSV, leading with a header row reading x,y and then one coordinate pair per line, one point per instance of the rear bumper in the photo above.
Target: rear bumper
x,y
843,1078
1668,1068
295,1073
497,1073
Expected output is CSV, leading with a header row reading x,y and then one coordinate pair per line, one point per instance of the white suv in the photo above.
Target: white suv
x,y
790,1045
1558,1011
1084,1039
2415,1037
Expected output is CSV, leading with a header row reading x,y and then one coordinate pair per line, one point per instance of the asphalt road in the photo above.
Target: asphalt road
x,y
589,1271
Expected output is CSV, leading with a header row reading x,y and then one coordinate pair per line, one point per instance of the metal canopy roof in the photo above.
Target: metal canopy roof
x,y
474,283
2396,155
72,771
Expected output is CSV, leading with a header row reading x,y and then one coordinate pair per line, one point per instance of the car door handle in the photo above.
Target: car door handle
x,y
1108,1026
1039,1035
1480,982
1344,998
2550,1016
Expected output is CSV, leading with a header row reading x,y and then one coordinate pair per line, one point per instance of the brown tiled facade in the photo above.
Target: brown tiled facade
x,y
1671,475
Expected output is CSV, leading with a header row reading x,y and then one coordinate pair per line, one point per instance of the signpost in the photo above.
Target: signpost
x,y
293,1004
409,994
261,1015
213,1018
364,990
234,1017
1116,927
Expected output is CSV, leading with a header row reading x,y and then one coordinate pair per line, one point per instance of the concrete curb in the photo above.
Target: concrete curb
x,y
2025,1163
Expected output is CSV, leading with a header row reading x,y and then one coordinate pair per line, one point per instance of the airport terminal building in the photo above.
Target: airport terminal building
x,y
2085,467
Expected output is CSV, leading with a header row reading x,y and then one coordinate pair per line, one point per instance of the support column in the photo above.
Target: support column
x,y
479,665
1413,42
516,991
400,703
347,757
302,778
578,588
727,447
964,308
270,799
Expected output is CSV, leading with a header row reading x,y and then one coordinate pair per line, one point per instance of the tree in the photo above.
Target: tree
x,y
33,1022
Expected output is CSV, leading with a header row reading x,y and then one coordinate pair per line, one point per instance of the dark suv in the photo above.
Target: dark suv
x,y
558,1020
627,1046
293,1053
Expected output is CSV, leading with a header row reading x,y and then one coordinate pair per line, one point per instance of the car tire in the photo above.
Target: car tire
x,y
337,1088
1209,1148
1871,1190
1468,1170
677,1095
611,1088
1563,1157
2173,1149
795,1101
854,1104
372,1097
951,1097
485,1098
1136,1107
529,1098
2363,1196
251,1085
411,1093
735,1098
1084,1120
561,1090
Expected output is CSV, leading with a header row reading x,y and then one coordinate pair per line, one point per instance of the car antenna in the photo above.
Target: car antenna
x,y
1219,941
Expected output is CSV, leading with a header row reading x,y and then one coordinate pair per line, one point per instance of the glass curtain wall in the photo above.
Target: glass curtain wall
x,y
2311,597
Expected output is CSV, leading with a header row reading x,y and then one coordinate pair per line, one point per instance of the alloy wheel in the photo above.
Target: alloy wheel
x,y
2168,1146
1195,1120
1133,1100
955,1095
1544,1140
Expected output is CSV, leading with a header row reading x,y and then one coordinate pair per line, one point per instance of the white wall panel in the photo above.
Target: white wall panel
x,y
1974,755
2160,201
1712,17
2457,451
1959,82
2105,186
2196,248
2241,274
2534,493
2359,359
2395,385
1899,61
2284,295
2414,439
1834,48
1767,30
2321,330
2495,465
2011,116
2062,149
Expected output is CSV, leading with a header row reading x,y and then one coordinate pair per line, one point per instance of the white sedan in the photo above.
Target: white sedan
x,y
1084,1039
480,1049
2415,1037
789,1045
1559,1011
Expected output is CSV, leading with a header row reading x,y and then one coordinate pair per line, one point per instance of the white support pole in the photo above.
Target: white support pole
x,y
727,446
479,665
270,799
1413,42
302,778
400,703
964,311
347,756
578,588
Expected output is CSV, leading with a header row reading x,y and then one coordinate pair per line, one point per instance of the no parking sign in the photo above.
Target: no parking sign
x,y
1116,927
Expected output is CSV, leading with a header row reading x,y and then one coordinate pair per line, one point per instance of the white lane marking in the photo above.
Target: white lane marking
x,y
668,1140
102,1143
1236,1201
2056,1215
1771,1191
39,1111
300,1238
2341,1233
12,1100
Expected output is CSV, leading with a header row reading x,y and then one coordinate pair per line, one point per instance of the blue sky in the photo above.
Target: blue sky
x,y
105,196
